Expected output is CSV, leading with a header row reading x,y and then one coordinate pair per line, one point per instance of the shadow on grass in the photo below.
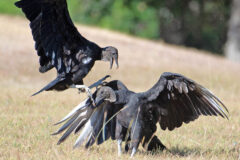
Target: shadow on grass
x,y
181,151
185,151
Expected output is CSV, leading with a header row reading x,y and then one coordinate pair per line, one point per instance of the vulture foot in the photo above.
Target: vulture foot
x,y
83,88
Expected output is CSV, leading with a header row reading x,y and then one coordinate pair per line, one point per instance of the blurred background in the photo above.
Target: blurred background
x,y
212,25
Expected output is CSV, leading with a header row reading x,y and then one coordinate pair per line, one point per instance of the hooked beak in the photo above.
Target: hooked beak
x,y
115,58
111,63
98,102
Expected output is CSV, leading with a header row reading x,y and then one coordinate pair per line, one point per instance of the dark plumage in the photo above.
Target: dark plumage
x,y
60,45
172,101
98,124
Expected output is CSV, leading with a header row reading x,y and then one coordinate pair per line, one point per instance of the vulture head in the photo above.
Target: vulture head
x,y
105,94
110,54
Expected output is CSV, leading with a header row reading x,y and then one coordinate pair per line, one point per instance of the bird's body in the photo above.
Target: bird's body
x,y
91,121
172,101
59,44
137,119
125,115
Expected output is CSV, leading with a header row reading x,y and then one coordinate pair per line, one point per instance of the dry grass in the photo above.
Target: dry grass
x,y
27,122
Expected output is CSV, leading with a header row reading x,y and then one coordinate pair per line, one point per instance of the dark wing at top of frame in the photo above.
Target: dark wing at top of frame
x,y
179,99
54,33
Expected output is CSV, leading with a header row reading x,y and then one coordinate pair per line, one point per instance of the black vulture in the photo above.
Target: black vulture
x,y
99,124
172,101
59,44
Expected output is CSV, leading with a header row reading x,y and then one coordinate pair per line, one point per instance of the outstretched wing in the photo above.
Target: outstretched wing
x,y
57,40
75,120
93,124
178,99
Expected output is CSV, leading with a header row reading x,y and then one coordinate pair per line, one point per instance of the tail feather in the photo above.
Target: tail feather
x,y
50,85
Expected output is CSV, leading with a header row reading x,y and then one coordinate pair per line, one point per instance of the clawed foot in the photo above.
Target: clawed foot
x,y
83,88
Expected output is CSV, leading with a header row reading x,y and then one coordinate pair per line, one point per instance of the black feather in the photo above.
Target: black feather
x,y
53,30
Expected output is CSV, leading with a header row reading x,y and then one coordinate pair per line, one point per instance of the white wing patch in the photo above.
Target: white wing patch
x,y
59,63
86,60
53,57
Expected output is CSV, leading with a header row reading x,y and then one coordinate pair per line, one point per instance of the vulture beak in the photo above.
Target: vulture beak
x,y
111,63
115,58
98,102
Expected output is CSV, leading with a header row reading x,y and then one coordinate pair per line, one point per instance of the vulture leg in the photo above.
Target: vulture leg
x,y
120,133
134,150
119,143
136,136
83,88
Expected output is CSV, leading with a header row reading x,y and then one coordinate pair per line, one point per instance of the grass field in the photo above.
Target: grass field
x,y
26,123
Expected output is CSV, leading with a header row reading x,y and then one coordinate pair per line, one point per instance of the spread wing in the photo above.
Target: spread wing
x,y
57,40
179,99
92,124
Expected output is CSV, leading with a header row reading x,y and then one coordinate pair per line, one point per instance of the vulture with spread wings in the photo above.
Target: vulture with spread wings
x,y
172,101
98,124
59,44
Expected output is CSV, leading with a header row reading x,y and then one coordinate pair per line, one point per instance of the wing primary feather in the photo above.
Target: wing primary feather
x,y
79,127
214,102
204,103
216,106
208,106
66,125
69,131
216,99
201,105
88,127
81,106
192,104
86,131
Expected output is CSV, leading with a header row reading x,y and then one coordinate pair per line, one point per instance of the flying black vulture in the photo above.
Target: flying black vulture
x,y
60,45
172,101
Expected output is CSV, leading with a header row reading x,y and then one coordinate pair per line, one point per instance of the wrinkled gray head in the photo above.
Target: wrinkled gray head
x,y
105,94
110,54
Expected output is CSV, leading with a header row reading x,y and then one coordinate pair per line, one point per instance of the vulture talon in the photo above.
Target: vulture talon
x,y
83,88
